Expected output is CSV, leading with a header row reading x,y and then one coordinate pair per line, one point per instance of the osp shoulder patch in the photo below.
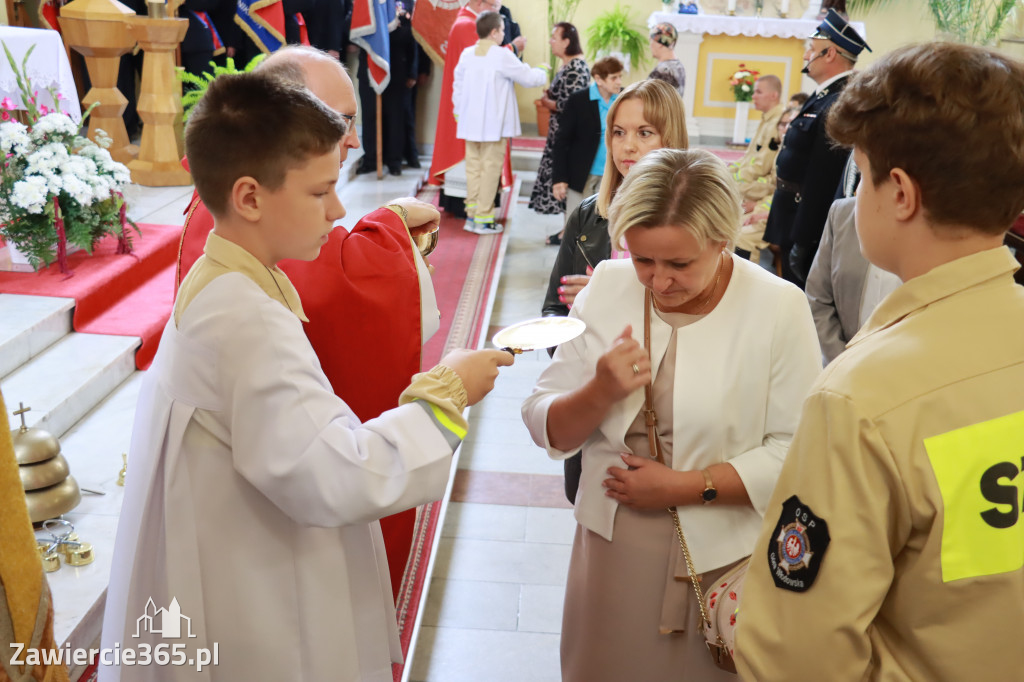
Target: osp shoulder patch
x,y
797,546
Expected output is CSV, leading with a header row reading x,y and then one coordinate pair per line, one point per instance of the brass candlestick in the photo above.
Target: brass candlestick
x,y
124,469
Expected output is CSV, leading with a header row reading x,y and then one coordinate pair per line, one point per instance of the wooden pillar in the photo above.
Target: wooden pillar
x,y
97,30
159,162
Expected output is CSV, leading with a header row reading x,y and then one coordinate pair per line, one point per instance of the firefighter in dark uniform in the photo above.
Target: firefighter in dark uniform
x,y
809,166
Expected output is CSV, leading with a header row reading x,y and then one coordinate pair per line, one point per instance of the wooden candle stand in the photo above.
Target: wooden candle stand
x,y
159,162
97,29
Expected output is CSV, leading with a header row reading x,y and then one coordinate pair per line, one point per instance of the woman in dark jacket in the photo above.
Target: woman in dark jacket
x,y
647,115
579,155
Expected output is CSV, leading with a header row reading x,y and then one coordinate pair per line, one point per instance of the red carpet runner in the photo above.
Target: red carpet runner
x,y
465,266
123,295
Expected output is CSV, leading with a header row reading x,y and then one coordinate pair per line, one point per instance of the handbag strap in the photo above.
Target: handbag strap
x,y
651,419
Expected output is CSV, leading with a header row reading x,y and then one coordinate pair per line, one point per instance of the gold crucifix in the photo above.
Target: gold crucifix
x,y
20,412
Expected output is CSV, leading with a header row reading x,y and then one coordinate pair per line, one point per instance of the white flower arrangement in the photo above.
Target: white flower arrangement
x,y
56,186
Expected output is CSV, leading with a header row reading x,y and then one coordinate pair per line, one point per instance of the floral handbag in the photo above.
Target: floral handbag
x,y
720,606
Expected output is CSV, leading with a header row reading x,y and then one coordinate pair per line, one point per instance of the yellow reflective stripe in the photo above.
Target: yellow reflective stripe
x,y
447,423
978,469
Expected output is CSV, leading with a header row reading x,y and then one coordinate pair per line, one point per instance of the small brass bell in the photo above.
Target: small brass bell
x,y
50,490
49,556
81,555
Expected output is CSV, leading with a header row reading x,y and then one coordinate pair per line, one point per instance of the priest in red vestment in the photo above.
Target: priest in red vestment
x,y
362,295
448,149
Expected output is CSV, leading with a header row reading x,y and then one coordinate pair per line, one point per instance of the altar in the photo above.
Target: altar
x,y
47,66
712,47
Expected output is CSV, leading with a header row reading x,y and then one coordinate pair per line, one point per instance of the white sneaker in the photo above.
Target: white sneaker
x,y
470,226
488,228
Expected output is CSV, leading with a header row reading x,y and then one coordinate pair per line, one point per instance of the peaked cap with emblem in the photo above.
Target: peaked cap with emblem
x,y
838,30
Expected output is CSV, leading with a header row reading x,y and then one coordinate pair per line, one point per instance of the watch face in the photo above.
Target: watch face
x,y
709,494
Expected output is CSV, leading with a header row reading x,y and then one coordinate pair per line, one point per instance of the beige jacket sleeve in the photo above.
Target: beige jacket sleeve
x,y
842,472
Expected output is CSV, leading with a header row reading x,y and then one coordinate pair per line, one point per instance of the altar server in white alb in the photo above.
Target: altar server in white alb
x,y
249,528
486,113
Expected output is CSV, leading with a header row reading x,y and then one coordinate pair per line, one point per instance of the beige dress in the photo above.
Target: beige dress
x,y
630,613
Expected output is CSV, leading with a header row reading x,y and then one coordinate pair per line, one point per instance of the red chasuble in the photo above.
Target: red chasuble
x,y
448,149
362,298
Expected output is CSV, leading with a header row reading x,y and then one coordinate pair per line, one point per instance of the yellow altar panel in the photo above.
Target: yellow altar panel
x,y
720,57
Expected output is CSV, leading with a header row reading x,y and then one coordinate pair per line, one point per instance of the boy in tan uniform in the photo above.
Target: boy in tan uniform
x,y
892,547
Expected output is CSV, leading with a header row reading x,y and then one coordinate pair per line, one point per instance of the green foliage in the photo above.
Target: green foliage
x,y
975,22
195,86
613,31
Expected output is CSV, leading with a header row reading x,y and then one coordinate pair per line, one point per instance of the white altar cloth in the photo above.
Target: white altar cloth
x,y
720,24
47,67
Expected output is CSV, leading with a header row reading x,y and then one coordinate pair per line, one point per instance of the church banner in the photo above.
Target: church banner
x,y
263,21
371,22
431,21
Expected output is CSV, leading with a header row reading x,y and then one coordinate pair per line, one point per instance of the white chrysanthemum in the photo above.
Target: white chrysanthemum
x,y
102,139
14,139
121,175
102,186
78,189
30,193
61,124
745,88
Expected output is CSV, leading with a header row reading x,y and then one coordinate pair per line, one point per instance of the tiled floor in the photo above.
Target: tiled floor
x,y
494,609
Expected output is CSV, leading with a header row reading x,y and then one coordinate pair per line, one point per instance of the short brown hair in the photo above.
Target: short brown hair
x,y
773,82
691,189
606,66
663,109
253,124
948,115
488,21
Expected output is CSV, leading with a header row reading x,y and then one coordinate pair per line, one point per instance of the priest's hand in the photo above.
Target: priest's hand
x,y
421,217
477,368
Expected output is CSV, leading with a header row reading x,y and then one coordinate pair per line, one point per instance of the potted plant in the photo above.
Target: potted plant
x,y
959,20
57,188
613,33
195,86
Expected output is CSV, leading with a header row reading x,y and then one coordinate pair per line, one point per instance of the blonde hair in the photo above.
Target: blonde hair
x,y
663,109
691,189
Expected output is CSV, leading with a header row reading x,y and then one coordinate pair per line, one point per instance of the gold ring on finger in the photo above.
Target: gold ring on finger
x,y
636,369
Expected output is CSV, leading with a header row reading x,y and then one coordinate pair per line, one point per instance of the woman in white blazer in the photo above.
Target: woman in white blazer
x,y
733,352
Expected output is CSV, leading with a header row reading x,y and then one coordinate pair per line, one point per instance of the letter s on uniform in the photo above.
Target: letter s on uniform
x,y
1000,494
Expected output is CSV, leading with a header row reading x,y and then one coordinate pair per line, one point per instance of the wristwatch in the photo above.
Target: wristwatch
x,y
710,492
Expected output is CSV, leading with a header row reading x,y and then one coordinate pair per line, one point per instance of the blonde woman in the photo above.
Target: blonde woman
x,y
733,351
647,115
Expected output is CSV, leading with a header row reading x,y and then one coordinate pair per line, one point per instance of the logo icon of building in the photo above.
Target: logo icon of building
x,y
163,622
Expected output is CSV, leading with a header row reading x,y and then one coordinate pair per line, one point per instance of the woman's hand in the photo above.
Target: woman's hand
x,y
549,103
559,190
571,285
646,484
624,368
